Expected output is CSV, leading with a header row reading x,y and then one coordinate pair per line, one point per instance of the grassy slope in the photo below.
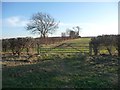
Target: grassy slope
x,y
75,45
64,70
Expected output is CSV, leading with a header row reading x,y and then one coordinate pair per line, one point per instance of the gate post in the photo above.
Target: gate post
x,y
90,49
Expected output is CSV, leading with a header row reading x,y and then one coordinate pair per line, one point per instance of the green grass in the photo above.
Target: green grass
x,y
64,67
64,71
74,45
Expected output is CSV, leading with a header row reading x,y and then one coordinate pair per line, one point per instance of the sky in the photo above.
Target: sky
x,y
94,18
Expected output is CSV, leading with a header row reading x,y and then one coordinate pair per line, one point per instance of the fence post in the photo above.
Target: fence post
x,y
90,49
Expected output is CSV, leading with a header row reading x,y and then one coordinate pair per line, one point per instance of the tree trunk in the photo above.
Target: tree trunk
x,y
95,51
13,52
38,49
109,50
119,53
18,53
43,36
90,49
27,51
119,50
118,44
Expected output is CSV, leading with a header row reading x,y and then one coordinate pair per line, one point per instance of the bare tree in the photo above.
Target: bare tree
x,y
63,34
29,44
77,28
42,24
108,42
74,32
95,44
5,45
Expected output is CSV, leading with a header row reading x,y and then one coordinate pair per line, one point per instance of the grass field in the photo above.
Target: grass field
x,y
76,71
69,46
63,70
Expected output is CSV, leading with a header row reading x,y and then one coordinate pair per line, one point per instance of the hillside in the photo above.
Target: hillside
x,y
63,70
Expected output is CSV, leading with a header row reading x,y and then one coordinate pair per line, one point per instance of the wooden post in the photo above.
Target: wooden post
x,y
90,49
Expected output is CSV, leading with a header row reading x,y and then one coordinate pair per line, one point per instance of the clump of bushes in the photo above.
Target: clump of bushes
x,y
107,41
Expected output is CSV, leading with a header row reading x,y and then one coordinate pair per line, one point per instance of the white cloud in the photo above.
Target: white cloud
x,y
15,21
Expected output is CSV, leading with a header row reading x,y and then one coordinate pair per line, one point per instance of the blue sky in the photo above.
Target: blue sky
x,y
93,18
